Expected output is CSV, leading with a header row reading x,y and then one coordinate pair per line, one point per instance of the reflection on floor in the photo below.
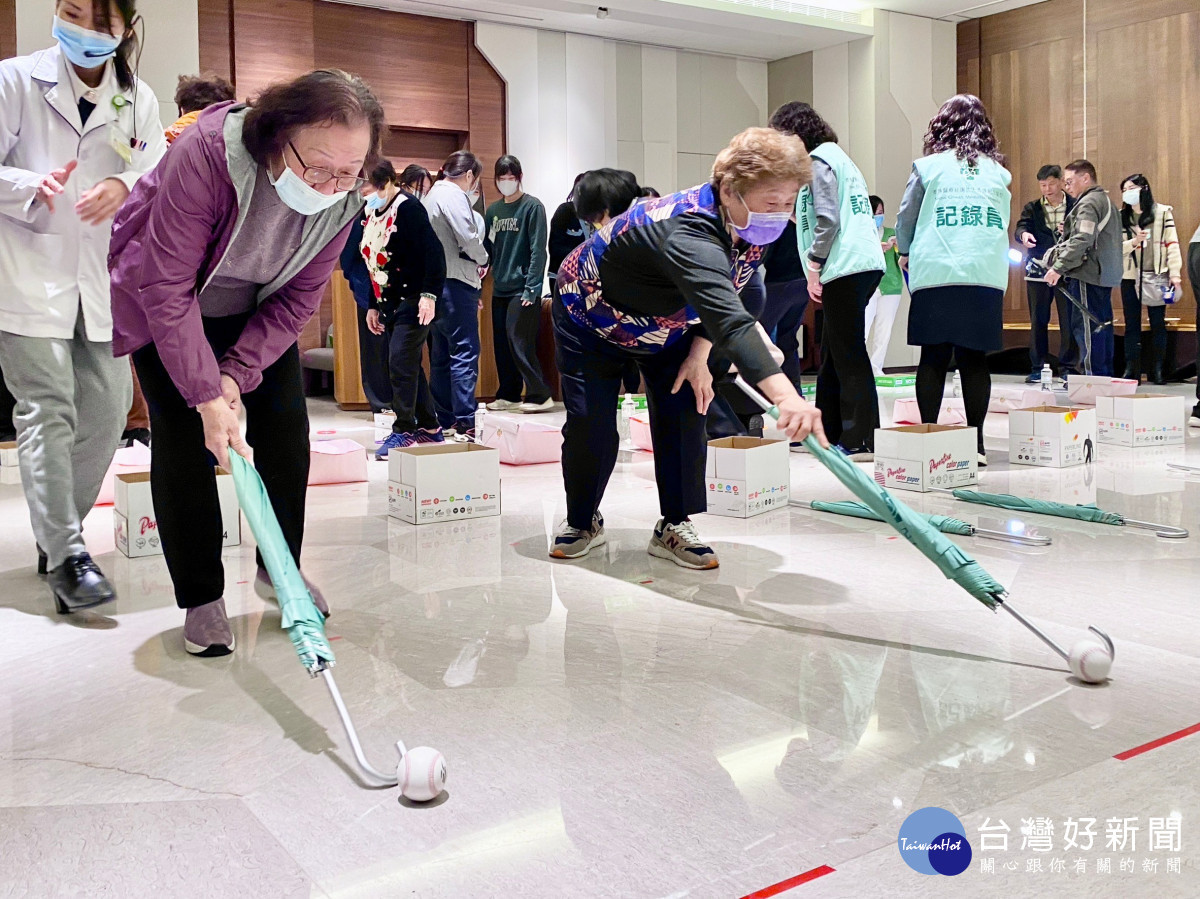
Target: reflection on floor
x,y
617,726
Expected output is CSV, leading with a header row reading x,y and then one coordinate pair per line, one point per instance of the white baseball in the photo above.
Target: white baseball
x,y
1090,661
421,774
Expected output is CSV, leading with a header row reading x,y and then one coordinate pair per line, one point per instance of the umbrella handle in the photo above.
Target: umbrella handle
x,y
373,777
1019,539
1037,632
1189,469
1161,530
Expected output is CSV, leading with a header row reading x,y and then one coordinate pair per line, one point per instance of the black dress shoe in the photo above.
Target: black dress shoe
x,y
135,435
43,561
78,584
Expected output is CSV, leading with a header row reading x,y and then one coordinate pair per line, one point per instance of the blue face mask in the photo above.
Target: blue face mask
x,y
879,221
375,202
86,49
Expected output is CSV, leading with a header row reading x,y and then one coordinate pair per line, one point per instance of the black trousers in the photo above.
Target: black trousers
x,y
1041,297
782,317
976,383
514,335
373,364
182,481
411,399
8,404
591,372
1131,303
846,383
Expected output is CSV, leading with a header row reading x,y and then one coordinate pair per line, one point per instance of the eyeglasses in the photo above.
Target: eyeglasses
x,y
316,176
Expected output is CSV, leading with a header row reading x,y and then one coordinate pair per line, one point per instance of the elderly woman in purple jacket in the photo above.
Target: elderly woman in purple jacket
x,y
218,259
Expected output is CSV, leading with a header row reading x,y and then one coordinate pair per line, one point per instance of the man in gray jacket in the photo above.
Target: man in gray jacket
x,y
1089,259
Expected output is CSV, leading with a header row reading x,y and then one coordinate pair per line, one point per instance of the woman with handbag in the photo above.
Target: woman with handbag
x,y
1153,273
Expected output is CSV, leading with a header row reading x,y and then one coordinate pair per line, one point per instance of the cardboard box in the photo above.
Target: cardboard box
x,y
1143,419
8,454
924,457
639,431
1053,436
135,526
521,440
443,482
895,380
340,461
1006,397
747,476
127,460
1084,390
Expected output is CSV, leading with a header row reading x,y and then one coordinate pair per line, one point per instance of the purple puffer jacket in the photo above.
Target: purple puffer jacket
x,y
172,233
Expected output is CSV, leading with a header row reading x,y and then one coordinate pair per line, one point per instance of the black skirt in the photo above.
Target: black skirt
x,y
964,315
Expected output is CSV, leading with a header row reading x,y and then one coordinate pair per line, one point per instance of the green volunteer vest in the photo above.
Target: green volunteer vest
x,y
962,228
856,247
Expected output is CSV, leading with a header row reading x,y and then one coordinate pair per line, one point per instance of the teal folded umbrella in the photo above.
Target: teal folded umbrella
x,y
301,618
1082,512
951,559
943,523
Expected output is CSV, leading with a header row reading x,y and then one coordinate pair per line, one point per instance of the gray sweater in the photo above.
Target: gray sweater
x,y
827,206
1088,252
458,228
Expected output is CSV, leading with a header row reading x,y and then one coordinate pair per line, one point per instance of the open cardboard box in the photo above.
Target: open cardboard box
x,y
747,476
135,525
924,457
443,482
1053,436
1143,419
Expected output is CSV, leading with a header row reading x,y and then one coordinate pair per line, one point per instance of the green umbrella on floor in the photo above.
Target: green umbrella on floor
x,y
943,523
1080,512
951,559
301,618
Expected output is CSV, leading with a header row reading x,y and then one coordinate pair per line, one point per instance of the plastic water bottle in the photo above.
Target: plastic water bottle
x,y
1047,377
480,417
628,407
957,383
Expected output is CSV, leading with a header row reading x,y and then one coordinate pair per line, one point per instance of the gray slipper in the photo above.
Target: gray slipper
x,y
206,630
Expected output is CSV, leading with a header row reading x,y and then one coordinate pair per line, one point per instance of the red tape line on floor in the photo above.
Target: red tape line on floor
x,y
1154,744
785,885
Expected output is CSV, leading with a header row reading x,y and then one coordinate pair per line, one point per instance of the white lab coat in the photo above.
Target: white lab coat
x,y
52,265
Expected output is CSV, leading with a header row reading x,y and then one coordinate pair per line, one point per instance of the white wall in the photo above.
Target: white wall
x,y
577,103
172,42
879,94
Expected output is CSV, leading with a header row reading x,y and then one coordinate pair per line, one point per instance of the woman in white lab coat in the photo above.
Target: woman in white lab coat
x,y
77,129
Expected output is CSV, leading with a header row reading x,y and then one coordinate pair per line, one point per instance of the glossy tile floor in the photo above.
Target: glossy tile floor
x,y
616,726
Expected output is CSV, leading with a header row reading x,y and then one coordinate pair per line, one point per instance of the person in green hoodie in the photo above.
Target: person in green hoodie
x,y
885,302
516,229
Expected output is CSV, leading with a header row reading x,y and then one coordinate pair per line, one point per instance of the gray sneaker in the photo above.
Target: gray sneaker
x,y
575,543
206,630
679,543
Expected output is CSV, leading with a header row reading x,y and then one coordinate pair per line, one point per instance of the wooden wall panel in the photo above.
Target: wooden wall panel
x,y
1140,106
488,115
272,41
968,57
417,66
428,148
8,28
216,37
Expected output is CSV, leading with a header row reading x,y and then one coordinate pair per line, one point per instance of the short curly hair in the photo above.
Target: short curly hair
x,y
197,92
805,122
761,154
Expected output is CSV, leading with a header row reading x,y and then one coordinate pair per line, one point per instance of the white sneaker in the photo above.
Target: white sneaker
x,y
983,460
530,408
502,406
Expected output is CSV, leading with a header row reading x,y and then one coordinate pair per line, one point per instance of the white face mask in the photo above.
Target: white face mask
x,y
1132,197
301,196
508,188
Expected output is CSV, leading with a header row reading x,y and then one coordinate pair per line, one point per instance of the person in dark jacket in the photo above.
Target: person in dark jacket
x,y
787,298
516,230
372,348
407,267
1193,267
1089,259
1038,230
220,257
659,285
567,232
